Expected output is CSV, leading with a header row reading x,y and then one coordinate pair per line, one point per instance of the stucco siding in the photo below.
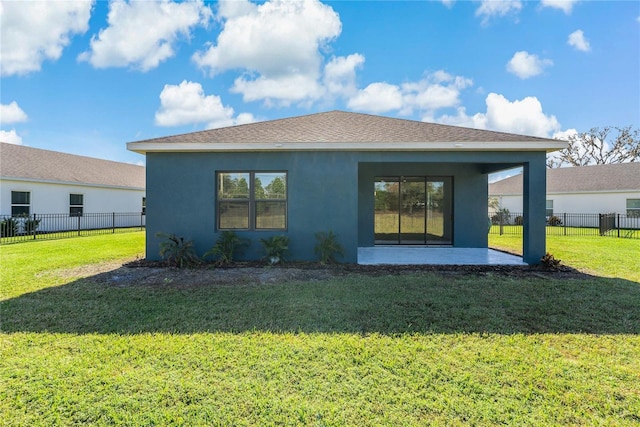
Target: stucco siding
x,y
322,195
326,191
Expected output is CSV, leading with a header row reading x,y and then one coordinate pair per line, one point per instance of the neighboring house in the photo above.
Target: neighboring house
x,y
371,180
35,181
597,189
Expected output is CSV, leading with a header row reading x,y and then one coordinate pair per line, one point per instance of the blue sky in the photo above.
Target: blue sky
x,y
87,77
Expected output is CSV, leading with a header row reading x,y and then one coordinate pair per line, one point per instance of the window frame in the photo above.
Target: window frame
x,y
20,205
76,209
632,212
251,201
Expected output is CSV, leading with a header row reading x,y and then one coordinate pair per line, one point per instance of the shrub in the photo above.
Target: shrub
x,y
502,214
518,220
550,262
228,245
31,225
328,247
275,247
554,221
177,251
8,227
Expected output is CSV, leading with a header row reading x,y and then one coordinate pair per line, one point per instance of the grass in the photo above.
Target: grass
x,y
420,349
600,256
28,266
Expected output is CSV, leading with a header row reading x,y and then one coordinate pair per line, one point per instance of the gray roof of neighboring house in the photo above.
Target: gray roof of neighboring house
x,y
344,127
612,177
18,161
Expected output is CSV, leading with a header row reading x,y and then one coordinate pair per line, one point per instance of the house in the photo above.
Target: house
x,y
43,182
596,189
371,180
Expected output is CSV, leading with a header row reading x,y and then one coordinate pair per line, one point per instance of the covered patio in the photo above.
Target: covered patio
x,y
422,255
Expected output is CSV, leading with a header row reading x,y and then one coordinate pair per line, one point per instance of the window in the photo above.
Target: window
x,y
252,200
20,203
144,206
633,208
76,204
549,210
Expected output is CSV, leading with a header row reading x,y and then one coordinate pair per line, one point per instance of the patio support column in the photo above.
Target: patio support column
x,y
534,196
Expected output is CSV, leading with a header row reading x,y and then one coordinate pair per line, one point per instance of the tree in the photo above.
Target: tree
x,y
276,188
597,148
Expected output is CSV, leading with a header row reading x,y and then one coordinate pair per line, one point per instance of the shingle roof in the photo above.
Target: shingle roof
x,y
341,126
18,161
612,177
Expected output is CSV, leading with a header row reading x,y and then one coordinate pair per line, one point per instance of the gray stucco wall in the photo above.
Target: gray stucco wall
x,y
326,191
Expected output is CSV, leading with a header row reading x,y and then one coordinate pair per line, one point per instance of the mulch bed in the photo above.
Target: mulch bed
x,y
386,269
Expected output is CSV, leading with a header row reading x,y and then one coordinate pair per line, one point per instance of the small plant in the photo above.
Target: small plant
x,y
275,247
502,216
31,225
177,251
8,227
328,247
228,245
554,221
550,262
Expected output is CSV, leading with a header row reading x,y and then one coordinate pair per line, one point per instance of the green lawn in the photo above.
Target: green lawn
x,y
419,349
600,256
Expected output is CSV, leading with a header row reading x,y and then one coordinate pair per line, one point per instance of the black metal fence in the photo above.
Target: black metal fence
x,y
571,224
58,226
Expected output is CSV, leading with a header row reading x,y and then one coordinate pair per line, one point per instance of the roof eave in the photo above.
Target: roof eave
x,y
151,147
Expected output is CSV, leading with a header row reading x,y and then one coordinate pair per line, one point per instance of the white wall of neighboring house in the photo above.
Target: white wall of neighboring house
x,y
53,198
580,203
583,203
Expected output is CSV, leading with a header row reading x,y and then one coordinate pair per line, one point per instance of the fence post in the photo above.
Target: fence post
x,y
618,225
564,223
33,225
78,224
141,220
501,215
113,223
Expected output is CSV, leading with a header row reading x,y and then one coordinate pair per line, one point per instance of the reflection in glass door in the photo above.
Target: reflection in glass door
x,y
387,214
412,211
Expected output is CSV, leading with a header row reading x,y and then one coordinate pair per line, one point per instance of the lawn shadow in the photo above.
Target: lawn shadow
x,y
423,302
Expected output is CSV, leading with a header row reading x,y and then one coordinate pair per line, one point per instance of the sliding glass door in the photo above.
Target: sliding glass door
x,y
412,211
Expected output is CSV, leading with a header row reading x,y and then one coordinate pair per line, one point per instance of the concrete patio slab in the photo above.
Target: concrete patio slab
x,y
405,255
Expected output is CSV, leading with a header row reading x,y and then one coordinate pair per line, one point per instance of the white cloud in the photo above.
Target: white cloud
x,y
10,137
143,34
276,44
33,32
377,98
187,103
434,91
234,8
564,135
525,65
565,5
521,116
283,89
448,3
490,8
12,113
340,74
577,40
